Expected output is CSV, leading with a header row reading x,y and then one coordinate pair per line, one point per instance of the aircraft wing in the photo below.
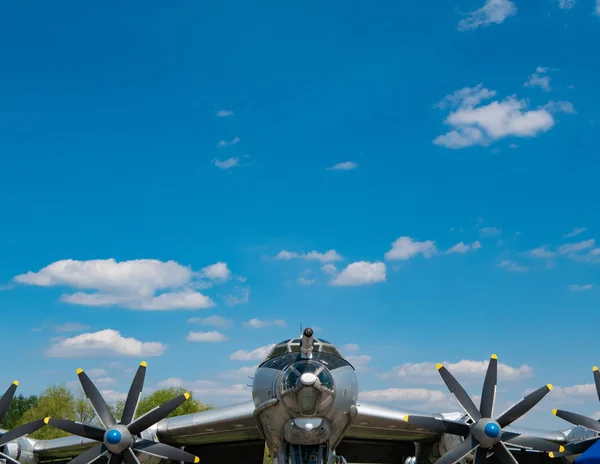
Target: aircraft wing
x,y
231,429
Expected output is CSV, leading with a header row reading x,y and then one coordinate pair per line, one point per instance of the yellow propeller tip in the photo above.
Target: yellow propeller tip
x,y
550,387
595,368
196,459
79,371
405,418
561,449
46,420
551,454
554,411
143,364
494,356
439,366
16,382
187,395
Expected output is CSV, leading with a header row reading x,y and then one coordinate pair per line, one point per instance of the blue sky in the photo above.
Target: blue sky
x,y
305,164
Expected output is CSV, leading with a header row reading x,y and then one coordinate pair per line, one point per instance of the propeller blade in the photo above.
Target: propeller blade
x,y
458,452
91,455
504,456
576,448
523,406
597,380
488,394
115,459
439,425
459,393
480,456
130,457
164,451
134,395
22,430
77,428
98,403
534,443
7,398
156,414
578,419
9,459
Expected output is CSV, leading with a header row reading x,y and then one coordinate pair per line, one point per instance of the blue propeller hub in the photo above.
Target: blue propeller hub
x,y
492,430
113,437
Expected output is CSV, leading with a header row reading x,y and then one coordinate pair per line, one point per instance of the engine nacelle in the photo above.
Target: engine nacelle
x,y
21,450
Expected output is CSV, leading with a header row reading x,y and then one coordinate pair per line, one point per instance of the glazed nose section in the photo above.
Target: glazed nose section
x,y
307,388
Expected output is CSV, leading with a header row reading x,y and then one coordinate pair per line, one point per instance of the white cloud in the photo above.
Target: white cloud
x,y
461,247
105,381
345,166
578,288
538,80
255,323
492,12
542,252
96,373
576,231
210,337
214,320
225,113
566,4
573,248
131,284
511,266
304,281
112,397
476,124
225,143
242,372
259,354
71,327
465,369
329,269
350,348
421,395
491,231
327,257
560,106
227,163
360,273
360,362
238,296
597,10
217,271
105,343
405,248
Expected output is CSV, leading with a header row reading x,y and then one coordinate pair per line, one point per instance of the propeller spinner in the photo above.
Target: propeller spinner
x,y
485,434
119,440
17,432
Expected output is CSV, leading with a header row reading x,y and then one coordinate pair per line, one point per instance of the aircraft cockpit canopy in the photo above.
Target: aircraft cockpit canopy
x,y
293,346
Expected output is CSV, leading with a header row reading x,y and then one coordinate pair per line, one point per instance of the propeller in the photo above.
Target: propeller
x,y
485,434
119,440
580,420
19,431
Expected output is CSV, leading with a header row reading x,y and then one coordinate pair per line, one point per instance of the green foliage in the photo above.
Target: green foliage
x,y
18,406
192,405
55,401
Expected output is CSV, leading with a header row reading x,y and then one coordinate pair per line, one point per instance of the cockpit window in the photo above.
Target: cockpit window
x,y
292,345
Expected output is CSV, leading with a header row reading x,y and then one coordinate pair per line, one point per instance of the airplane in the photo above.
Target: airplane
x,y
305,406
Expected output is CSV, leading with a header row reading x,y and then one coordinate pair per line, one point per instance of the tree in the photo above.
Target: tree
x,y
55,401
18,406
191,406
